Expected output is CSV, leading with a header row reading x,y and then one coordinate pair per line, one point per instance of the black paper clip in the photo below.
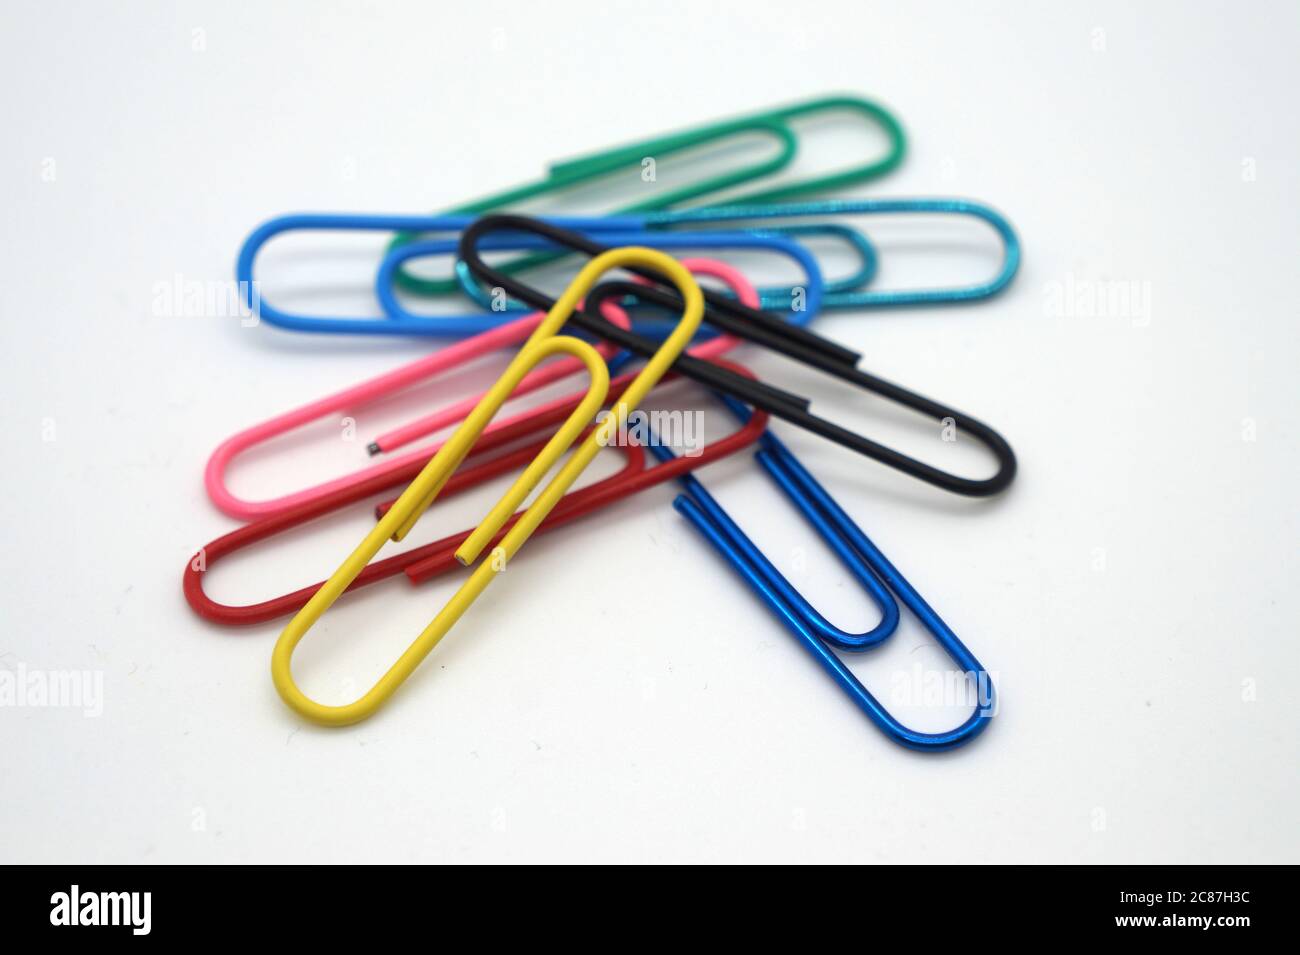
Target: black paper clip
x,y
761,328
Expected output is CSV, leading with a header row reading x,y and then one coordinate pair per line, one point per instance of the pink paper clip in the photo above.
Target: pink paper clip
x,y
414,373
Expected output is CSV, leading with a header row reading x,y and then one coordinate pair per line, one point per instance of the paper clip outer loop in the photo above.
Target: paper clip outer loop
x,y
872,112
261,309
420,494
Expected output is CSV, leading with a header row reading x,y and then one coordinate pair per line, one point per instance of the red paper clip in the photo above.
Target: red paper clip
x,y
430,560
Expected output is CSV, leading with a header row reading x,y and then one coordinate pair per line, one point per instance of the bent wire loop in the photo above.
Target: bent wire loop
x,y
861,571
775,298
774,121
434,559
854,547
398,521
735,318
618,230
412,373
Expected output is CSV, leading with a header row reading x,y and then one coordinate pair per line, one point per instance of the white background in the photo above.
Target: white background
x,y
620,696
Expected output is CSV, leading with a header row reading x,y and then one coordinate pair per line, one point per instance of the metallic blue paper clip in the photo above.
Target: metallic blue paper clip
x,y
866,561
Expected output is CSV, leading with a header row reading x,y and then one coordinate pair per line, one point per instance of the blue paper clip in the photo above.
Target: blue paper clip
x,y
616,229
866,561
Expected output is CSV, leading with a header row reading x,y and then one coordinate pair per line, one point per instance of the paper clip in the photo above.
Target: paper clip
x,y
858,554
840,296
735,318
854,547
621,230
372,390
843,292
437,558
774,121
416,372
398,521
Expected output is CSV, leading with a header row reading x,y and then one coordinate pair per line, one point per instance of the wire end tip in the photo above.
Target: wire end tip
x,y
373,448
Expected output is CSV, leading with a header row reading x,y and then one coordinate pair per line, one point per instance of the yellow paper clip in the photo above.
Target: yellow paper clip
x,y
401,517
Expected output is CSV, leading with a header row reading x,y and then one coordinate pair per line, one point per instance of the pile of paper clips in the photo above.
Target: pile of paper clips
x,y
589,327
